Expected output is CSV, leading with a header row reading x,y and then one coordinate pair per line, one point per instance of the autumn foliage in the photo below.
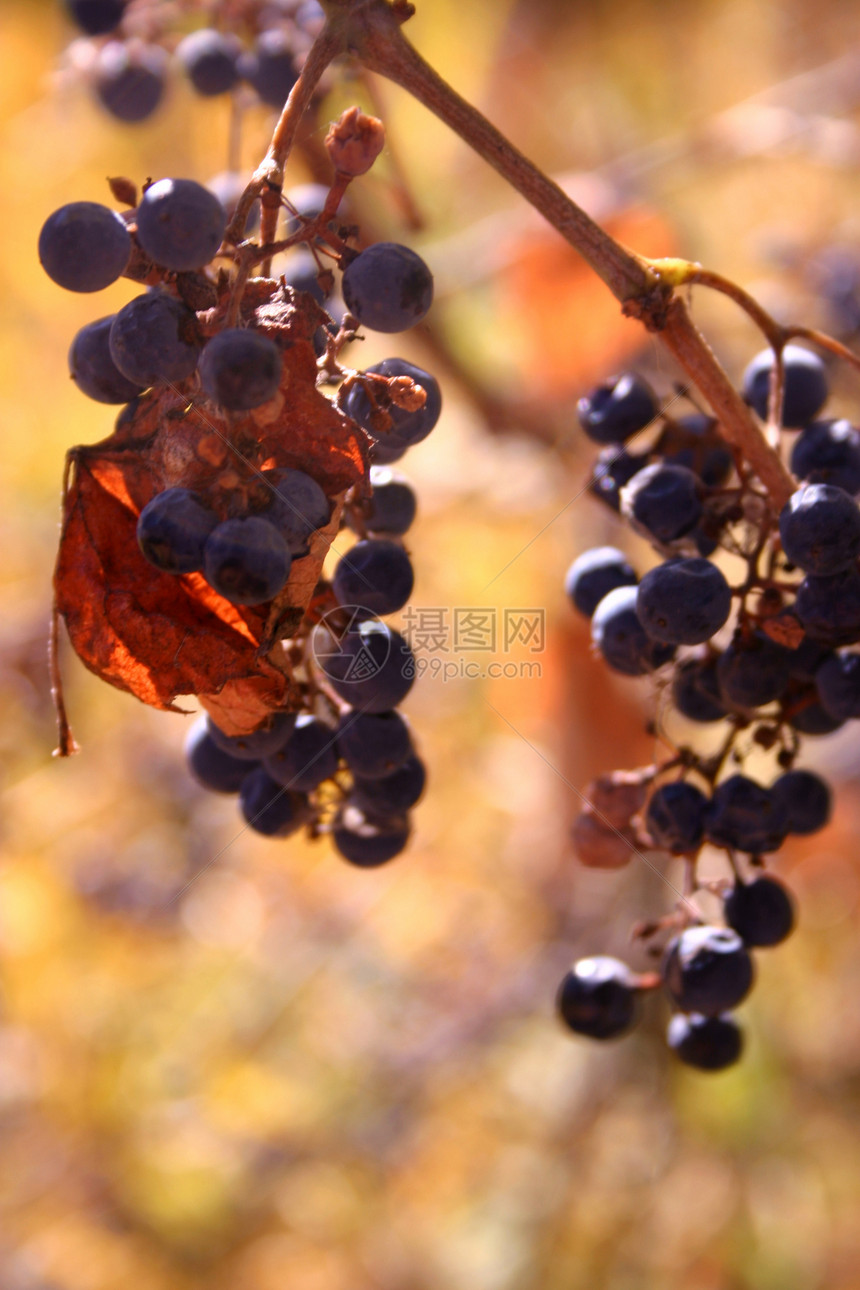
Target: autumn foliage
x,y
159,636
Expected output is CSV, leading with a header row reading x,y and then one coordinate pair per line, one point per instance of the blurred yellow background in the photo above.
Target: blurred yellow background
x,y
240,1064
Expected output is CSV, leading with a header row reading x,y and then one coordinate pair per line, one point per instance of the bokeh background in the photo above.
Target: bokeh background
x,y
240,1064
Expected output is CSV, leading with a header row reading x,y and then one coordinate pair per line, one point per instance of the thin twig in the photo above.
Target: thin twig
x,y
375,35
691,350
66,743
644,291
823,341
269,175
773,333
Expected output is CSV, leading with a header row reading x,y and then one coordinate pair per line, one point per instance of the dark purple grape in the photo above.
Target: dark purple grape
x,y
805,389
706,1043
371,667
820,529
407,428
694,441
373,744
622,640
613,467
753,671
180,224
746,817
761,911
810,717
127,416
828,452
807,658
260,743
172,530
375,575
301,272
704,543
84,246
806,799
835,274
270,67
310,17
368,842
598,998
594,574
130,82
617,409
838,683
92,368
210,60
675,817
384,452
696,690
387,287
214,769
308,201
829,608
246,560
307,758
392,505
297,507
391,794
154,339
269,808
96,17
240,369
684,601
707,970
664,500
228,186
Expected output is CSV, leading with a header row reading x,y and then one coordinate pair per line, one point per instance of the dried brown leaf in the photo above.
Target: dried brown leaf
x,y
160,636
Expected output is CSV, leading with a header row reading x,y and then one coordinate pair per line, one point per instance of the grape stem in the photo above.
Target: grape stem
x,y
646,290
66,743
692,351
268,179
375,36
776,334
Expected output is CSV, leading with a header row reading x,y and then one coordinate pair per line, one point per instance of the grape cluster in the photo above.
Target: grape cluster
x,y
349,772
340,758
256,47
746,622
346,763
157,338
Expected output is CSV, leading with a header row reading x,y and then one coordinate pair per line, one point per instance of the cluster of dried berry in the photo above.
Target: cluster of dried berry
x,y
191,558
747,624
136,45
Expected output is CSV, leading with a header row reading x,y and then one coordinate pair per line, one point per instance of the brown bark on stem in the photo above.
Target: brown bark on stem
x,y
330,42
376,37
373,34
691,350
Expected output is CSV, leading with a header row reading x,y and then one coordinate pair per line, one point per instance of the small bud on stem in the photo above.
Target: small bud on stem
x,y
354,142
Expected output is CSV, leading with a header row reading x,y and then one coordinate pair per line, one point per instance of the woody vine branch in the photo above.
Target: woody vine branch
x,y
646,289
